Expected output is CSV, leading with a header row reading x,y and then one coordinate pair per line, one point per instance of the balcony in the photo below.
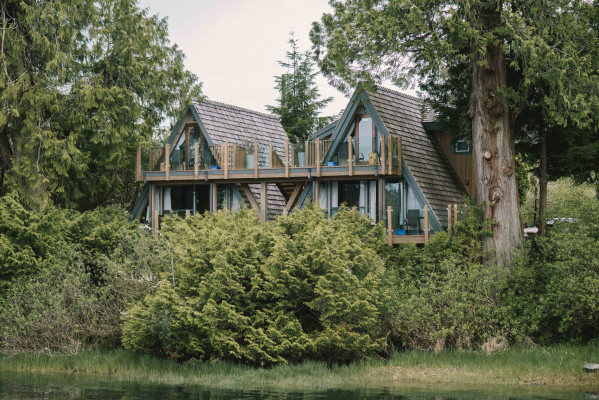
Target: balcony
x,y
259,161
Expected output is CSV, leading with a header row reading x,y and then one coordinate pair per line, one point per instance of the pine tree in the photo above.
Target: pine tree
x,y
82,83
298,104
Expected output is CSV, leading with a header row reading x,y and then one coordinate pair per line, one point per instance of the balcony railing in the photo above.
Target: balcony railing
x,y
260,155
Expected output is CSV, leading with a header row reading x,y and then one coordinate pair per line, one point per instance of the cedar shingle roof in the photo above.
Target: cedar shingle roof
x,y
236,125
402,115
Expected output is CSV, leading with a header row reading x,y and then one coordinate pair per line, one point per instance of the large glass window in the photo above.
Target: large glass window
x,y
182,198
394,199
195,136
202,198
178,152
365,135
359,194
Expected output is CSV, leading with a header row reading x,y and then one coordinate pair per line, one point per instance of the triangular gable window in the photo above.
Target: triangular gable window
x,y
365,141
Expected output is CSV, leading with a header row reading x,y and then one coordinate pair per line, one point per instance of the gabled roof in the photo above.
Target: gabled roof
x,y
400,114
433,173
236,125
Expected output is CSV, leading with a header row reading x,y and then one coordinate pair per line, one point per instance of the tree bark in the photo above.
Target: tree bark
x,y
5,150
494,151
542,183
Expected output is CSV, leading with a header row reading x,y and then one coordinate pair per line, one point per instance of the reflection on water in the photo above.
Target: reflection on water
x,y
13,387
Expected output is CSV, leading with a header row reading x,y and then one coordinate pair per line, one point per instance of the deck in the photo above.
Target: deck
x,y
229,162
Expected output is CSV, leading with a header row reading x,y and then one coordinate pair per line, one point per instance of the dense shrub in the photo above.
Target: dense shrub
x,y
303,287
67,277
444,295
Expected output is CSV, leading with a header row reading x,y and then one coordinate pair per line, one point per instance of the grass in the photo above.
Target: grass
x,y
558,367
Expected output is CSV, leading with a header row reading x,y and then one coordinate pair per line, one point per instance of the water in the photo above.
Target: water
x,y
50,387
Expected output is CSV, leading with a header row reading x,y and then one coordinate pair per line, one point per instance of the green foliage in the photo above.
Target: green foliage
x,y
302,287
444,295
65,277
83,82
298,104
29,238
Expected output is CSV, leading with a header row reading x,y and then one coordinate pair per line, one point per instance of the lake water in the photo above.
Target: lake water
x,y
50,387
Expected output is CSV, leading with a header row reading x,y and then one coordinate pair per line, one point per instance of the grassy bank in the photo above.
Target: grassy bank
x,y
558,366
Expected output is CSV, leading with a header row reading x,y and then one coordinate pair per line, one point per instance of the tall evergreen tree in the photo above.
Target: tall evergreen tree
x,y
298,104
379,39
82,83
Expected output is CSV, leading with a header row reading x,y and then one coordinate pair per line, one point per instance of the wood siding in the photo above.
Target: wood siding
x,y
462,163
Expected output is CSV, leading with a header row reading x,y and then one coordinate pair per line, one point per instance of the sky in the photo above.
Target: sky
x,y
233,46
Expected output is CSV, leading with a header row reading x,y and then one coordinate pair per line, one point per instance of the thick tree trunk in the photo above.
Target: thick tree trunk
x,y
5,151
542,184
494,150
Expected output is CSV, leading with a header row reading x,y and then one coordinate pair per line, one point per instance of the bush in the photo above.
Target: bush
x,y
444,295
302,287
74,276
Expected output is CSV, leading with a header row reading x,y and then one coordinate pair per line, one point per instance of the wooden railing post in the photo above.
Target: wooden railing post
x,y
390,155
138,164
307,156
187,213
449,209
256,157
196,160
426,224
455,213
399,166
389,226
383,158
350,154
318,162
286,158
226,160
167,161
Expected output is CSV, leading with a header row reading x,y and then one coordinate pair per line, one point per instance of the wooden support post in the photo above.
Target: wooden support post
x,y
383,153
350,151
449,209
226,160
318,162
256,158
263,201
380,199
389,226
250,196
316,192
187,213
294,195
286,158
196,160
270,157
426,228
167,161
152,204
390,155
155,220
213,197
138,164
399,166
455,213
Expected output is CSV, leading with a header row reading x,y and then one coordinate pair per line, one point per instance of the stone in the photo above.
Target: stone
x,y
591,367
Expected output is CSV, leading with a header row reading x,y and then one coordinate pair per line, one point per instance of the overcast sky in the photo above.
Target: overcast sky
x,y
233,45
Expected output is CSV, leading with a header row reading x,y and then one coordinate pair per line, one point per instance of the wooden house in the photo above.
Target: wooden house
x,y
379,156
